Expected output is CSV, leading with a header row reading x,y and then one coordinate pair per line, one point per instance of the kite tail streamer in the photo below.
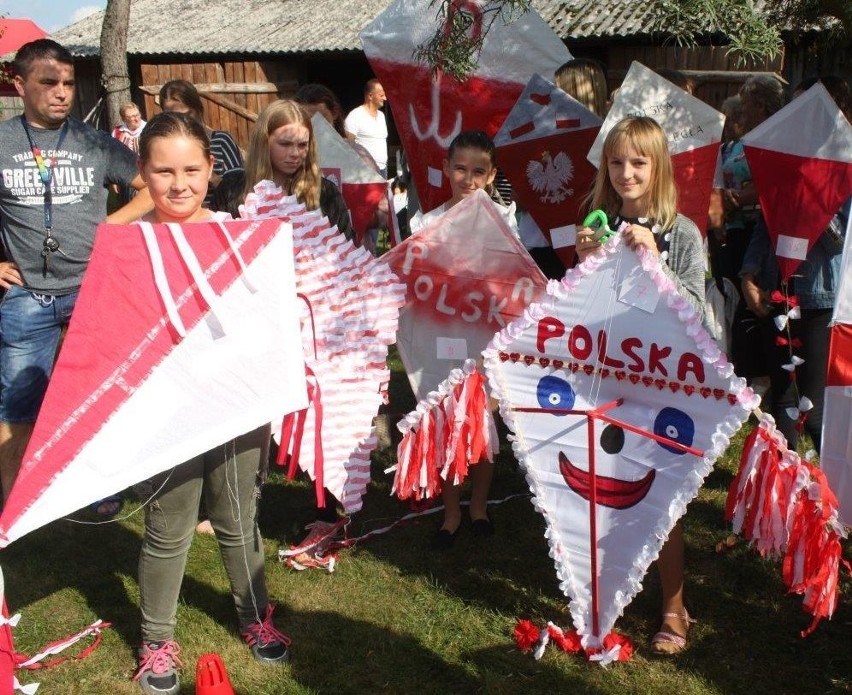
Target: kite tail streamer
x,y
760,495
292,432
812,562
783,505
528,637
10,659
449,431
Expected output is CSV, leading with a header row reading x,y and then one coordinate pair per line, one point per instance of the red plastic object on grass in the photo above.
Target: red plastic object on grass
x,y
211,678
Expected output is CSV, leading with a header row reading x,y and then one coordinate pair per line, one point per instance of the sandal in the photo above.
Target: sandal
x,y
108,507
666,643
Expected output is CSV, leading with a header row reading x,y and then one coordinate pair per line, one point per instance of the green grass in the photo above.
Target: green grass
x,y
397,618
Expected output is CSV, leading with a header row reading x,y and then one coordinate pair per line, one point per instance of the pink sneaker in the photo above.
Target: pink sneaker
x,y
157,674
267,643
320,533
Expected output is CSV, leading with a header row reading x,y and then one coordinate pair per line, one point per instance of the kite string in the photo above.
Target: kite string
x,y
125,517
231,466
609,318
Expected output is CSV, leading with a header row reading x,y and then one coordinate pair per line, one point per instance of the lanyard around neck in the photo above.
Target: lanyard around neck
x,y
45,169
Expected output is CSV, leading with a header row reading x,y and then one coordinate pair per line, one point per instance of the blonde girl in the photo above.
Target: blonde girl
x,y
282,148
635,184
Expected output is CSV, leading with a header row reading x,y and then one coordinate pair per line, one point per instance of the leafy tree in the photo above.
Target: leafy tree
x,y
750,32
454,48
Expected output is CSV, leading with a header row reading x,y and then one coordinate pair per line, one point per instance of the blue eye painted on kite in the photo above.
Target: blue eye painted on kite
x,y
553,392
676,425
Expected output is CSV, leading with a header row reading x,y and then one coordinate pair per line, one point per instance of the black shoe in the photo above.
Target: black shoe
x,y
444,539
482,528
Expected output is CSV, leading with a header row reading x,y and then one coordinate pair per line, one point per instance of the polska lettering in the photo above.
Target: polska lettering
x,y
630,354
453,299
651,109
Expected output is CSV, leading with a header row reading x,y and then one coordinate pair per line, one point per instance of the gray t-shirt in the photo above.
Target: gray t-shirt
x,y
87,163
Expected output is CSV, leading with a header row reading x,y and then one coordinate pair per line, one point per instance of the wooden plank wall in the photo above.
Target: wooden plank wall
x,y
239,119
87,78
716,74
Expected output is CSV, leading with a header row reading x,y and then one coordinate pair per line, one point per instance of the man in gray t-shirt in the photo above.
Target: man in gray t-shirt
x,y
55,172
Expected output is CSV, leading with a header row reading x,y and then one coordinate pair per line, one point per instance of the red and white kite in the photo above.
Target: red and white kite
x,y
467,277
542,149
620,402
362,186
430,111
350,308
801,162
836,454
693,129
182,337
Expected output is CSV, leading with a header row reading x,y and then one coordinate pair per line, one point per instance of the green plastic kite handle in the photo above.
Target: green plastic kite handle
x,y
597,220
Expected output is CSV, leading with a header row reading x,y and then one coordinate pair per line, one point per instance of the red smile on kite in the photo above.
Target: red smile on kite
x,y
611,492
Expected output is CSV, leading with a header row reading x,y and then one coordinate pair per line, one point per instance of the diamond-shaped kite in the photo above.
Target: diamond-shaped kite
x,y
182,338
467,276
801,162
361,185
620,403
429,111
542,149
836,453
351,303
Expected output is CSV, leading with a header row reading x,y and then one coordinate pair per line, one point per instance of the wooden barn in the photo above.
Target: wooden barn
x,y
242,54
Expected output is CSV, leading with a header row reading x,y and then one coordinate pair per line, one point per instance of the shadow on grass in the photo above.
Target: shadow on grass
x,y
384,661
91,559
748,631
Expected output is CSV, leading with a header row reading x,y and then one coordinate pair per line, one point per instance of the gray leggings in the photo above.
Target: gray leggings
x,y
229,476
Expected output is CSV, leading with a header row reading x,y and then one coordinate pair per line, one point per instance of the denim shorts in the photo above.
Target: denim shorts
x,y
30,326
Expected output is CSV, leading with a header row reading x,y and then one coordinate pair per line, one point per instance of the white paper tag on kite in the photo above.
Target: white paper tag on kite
x,y
639,290
451,348
563,236
434,176
792,247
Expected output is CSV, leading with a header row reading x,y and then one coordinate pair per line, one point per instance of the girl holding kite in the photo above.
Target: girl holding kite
x,y
282,149
635,187
176,164
471,164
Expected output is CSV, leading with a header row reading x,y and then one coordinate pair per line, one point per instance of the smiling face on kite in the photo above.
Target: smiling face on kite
x,y
632,440
619,402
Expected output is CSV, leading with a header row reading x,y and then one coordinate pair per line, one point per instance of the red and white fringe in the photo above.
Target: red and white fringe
x,y
12,659
449,431
615,646
784,506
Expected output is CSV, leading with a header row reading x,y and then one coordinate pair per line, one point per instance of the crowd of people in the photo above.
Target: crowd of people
x,y
183,171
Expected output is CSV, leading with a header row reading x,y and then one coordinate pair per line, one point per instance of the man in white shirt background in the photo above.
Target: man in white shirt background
x,y
367,126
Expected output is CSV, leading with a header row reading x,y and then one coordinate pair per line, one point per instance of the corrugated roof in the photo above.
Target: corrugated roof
x,y
298,26
231,26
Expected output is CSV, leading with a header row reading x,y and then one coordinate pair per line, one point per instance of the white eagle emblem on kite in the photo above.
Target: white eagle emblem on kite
x,y
551,176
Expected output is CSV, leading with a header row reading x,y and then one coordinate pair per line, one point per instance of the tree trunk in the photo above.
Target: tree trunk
x,y
114,58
